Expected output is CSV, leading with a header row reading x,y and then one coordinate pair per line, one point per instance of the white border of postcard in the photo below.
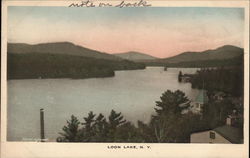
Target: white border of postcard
x,y
77,150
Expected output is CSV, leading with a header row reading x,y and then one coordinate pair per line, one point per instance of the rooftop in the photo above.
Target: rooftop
x,y
232,134
202,97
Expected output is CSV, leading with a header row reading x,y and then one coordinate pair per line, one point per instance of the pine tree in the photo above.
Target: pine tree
x,y
100,128
167,122
71,131
115,120
171,102
88,131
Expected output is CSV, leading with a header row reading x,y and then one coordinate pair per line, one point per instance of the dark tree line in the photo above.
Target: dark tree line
x,y
236,61
96,128
35,65
226,79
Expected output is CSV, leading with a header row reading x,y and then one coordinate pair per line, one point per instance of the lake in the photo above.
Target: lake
x,y
131,92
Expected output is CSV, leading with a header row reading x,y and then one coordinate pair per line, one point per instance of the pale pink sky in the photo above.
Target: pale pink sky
x,y
160,32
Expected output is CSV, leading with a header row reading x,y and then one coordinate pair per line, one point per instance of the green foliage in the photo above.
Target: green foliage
x,y
115,120
146,132
127,132
35,65
235,61
101,129
97,129
171,103
168,123
71,131
216,112
88,130
228,80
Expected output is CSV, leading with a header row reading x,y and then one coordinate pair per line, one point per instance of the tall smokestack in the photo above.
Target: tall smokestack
x,y
42,124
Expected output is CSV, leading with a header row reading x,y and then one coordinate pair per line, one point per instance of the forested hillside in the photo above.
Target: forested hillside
x,y
42,65
235,61
58,48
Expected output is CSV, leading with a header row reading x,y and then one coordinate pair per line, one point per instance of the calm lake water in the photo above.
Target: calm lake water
x,y
131,92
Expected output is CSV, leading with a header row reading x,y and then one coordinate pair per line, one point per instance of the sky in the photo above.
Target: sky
x,y
157,31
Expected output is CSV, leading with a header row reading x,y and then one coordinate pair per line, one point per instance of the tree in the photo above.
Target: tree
x,y
171,102
146,132
162,127
71,131
216,112
115,120
168,121
88,130
100,128
127,132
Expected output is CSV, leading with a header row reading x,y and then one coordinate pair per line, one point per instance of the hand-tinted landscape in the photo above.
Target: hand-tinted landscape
x,y
66,60
90,90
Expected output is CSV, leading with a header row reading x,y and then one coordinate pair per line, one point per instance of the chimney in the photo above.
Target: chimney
x,y
232,119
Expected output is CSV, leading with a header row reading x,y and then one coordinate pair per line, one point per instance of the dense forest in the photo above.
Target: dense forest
x,y
41,65
228,82
236,61
225,79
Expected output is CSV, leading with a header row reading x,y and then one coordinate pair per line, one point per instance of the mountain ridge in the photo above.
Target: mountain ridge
x,y
220,53
67,48
135,56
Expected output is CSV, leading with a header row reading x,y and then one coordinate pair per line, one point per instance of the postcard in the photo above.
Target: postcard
x,y
133,78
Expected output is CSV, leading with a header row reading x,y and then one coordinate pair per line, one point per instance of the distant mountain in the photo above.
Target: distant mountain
x,y
223,56
221,53
65,48
135,56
